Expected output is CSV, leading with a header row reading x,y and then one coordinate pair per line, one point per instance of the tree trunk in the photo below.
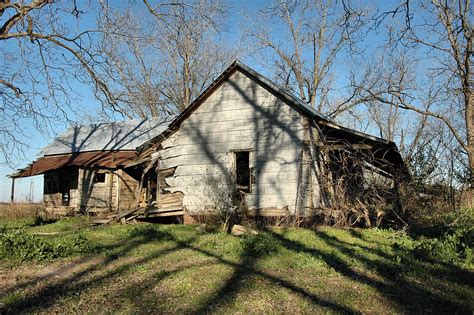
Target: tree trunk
x,y
470,141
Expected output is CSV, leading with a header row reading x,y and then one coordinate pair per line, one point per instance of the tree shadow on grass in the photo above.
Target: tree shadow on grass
x,y
407,293
246,268
94,275
441,270
98,274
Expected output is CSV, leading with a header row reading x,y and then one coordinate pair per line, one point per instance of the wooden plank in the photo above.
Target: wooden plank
x,y
133,217
158,192
164,214
127,213
163,210
110,190
80,179
170,200
119,188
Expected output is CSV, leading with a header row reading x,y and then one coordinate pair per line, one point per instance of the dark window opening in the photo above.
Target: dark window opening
x,y
99,178
242,171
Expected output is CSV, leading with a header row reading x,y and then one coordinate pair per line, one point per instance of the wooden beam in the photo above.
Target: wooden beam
x,y
148,190
80,188
164,214
119,187
354,146
110,189
158,189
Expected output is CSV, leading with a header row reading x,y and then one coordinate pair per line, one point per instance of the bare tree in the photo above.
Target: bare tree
x,y
53,51
305,39
443,33
46,50
177,55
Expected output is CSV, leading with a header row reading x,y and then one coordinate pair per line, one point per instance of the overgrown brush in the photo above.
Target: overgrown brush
x,y
17,244
449,249
449,241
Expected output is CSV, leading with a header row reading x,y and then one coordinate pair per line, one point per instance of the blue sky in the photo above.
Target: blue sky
x,y
88,105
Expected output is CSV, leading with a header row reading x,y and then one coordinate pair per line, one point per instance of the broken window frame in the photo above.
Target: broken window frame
x,y
240,186
103,178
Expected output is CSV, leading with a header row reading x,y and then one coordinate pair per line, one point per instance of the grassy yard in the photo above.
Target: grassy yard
x,y
176,269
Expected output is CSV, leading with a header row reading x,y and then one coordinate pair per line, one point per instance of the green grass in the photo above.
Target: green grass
x,y
175,269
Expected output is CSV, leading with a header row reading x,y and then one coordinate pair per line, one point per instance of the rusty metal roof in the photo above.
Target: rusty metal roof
x,y
83,159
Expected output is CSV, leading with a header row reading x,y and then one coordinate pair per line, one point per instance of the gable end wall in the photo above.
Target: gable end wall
x,y
239,115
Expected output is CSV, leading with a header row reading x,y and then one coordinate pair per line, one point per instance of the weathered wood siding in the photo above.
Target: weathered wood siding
x,y
239,115
94,195
126,186
116,192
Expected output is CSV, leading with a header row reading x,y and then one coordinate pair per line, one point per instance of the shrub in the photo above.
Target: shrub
x,y
455,247
17,244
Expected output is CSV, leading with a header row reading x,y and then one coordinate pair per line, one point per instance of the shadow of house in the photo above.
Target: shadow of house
x,y
84,167
247,141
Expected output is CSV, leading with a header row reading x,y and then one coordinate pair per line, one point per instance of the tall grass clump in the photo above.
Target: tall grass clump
x,y
20,210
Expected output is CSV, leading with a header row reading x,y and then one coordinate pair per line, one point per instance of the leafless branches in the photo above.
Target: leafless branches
x,y
148,59
315,34
177,56
443,32
45,54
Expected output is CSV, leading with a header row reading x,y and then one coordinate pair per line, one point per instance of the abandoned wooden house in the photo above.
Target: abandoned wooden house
x,y
84,167
243,143
246,142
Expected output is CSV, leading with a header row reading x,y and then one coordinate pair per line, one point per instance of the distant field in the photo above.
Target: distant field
x,y
175,269
19,210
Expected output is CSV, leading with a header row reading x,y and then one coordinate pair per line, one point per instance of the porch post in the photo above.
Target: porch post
x,y
12,196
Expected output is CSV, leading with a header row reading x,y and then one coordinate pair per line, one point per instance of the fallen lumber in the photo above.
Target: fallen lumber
x,y
127,213
101,221
45,233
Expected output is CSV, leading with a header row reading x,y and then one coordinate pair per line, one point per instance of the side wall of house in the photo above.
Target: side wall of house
x,y
116,191
60,191
126,188
239,115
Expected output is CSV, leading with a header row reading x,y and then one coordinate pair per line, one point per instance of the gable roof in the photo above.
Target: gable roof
x,y
383,149
292,100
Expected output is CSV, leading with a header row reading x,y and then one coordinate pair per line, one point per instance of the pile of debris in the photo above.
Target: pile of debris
x,y
125,217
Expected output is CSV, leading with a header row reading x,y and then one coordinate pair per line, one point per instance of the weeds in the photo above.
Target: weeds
x,y
260,245
176,269
17,244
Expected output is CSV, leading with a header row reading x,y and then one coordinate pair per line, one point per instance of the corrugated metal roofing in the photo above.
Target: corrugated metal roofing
x,y
83,159
116,136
